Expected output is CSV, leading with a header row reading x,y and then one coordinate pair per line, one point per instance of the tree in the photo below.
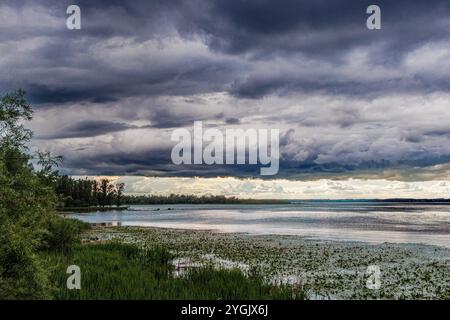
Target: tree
x,y
85,192
28,222
26,204
103,194
95,192
48,163
13,110
119,188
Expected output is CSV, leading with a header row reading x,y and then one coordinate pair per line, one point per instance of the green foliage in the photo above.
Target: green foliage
x,y
120,271
193,199
21,275
85,192
61,233
27,203
13,109
47,163
28,223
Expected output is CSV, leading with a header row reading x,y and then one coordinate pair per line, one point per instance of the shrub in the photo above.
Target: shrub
x,y
21,275
62,233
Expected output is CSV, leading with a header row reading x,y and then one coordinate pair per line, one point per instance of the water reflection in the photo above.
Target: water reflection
x,y
406,223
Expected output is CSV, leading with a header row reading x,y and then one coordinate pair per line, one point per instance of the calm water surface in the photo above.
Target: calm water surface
x,y
353,221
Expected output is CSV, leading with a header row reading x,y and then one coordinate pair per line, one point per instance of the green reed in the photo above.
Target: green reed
x,y
124,271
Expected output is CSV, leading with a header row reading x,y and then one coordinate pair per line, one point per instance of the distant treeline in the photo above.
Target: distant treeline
x,y
192,199
103,193
86,193
437,200
89,193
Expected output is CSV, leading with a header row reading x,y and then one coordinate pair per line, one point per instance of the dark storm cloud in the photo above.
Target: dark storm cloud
x,y
149,162
312,68
158,163
268,27
162,118
232,121
325,30
88,128
42,94
120,163
257,87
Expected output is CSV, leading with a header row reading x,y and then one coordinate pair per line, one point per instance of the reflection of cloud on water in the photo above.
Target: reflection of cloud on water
x,y
421,223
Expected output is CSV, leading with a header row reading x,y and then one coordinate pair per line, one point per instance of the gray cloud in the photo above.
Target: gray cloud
x,y
88,128
346,99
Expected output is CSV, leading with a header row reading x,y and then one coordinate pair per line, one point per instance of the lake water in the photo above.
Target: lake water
x,y
373,222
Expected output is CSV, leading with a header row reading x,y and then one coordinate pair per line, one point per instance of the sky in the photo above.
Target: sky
x,y
367,109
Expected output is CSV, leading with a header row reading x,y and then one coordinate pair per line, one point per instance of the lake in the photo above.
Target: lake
x,y
373,222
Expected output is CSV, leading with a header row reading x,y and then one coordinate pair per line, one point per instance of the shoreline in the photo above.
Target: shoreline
x,y
327,269
371,237
316,223
90,209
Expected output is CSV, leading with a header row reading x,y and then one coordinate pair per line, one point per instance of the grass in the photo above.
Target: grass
x,y
124,271
323,269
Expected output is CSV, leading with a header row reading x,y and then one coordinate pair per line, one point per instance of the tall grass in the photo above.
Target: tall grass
x,y
122,271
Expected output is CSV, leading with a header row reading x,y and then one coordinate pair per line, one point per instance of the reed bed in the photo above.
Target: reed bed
x,y
126,271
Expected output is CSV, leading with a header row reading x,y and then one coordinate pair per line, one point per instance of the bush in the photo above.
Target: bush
x,y
21,275
62,233
25,204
